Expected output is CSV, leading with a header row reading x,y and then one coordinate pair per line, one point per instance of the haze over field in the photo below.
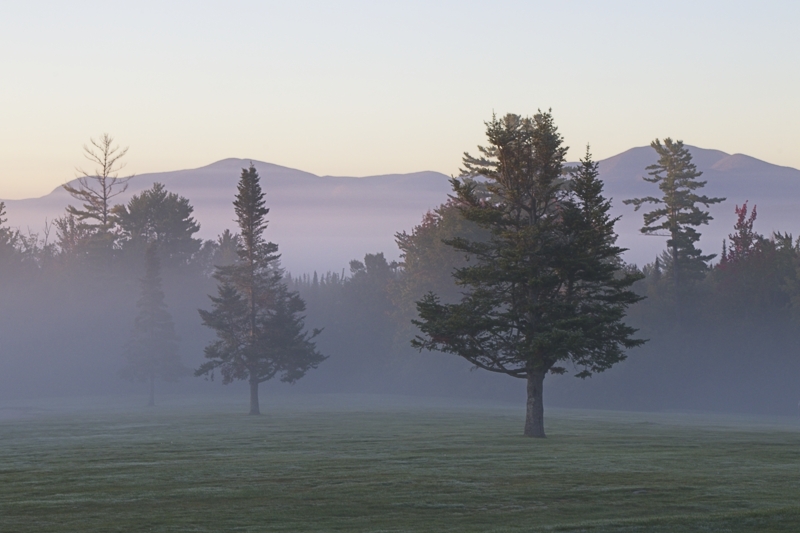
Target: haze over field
x,y
321,223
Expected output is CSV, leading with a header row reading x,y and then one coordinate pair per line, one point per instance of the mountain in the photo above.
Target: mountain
x,y
322,222
319,222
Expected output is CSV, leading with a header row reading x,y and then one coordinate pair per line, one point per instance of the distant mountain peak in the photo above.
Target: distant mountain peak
x,y
235,162
739,162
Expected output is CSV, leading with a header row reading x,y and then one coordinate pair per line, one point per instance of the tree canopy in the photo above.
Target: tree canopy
x,y
158,216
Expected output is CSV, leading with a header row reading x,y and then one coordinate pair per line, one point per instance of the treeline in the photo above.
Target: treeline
x,y
68,296
728,339
721,329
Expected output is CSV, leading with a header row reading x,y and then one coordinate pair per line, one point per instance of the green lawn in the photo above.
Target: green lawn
x,y
323,463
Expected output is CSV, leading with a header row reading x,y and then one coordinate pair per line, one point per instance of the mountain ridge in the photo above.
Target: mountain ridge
x,y
322,222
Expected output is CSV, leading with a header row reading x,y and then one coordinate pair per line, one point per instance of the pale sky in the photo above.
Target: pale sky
x,y
363,88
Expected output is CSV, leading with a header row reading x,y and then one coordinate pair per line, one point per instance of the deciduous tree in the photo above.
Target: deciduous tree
x,y
428,263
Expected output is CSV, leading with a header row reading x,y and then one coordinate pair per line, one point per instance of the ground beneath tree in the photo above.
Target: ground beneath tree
x,y
360,463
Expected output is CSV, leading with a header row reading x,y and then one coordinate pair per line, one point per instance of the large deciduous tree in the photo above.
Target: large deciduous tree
x,y
258,321
677,213
755,278
547,286
152,350
427,262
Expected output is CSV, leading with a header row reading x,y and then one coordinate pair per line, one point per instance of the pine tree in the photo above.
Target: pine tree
x,y
96,190
547,286
158,216
152,350
677,214
260,332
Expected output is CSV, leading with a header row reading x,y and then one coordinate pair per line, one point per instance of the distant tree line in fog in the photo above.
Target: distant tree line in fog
x,y
722,330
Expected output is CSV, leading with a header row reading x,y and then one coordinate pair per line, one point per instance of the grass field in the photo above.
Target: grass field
x,y
349,463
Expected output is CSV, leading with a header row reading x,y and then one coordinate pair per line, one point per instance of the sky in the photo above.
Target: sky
x,y
363,88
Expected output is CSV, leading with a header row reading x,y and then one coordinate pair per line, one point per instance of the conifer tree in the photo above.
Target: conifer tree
x,y
226,249
677,213
96,191
547,286
152,350
158,216
11,262
8,236
260,331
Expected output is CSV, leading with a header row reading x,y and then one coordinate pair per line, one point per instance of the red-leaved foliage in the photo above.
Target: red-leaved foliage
x,y
744,242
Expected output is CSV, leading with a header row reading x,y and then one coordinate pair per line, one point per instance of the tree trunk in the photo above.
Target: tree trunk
x,y
254,410
534,417
152,400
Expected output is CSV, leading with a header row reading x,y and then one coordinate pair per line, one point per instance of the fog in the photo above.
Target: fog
x,y
63,324
64,337
320,222
323,222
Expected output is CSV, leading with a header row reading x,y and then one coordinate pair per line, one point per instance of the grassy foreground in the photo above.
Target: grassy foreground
x,y
332,465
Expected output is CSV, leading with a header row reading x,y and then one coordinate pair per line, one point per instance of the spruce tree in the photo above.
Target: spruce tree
x,y
258,321
547,286
677,213
152,350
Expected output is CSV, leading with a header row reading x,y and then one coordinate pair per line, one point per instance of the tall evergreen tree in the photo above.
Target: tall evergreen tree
x,y
677,213
260,332
152,350
547,286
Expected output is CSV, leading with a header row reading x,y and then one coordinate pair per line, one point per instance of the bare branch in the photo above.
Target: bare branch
x,y
96,189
